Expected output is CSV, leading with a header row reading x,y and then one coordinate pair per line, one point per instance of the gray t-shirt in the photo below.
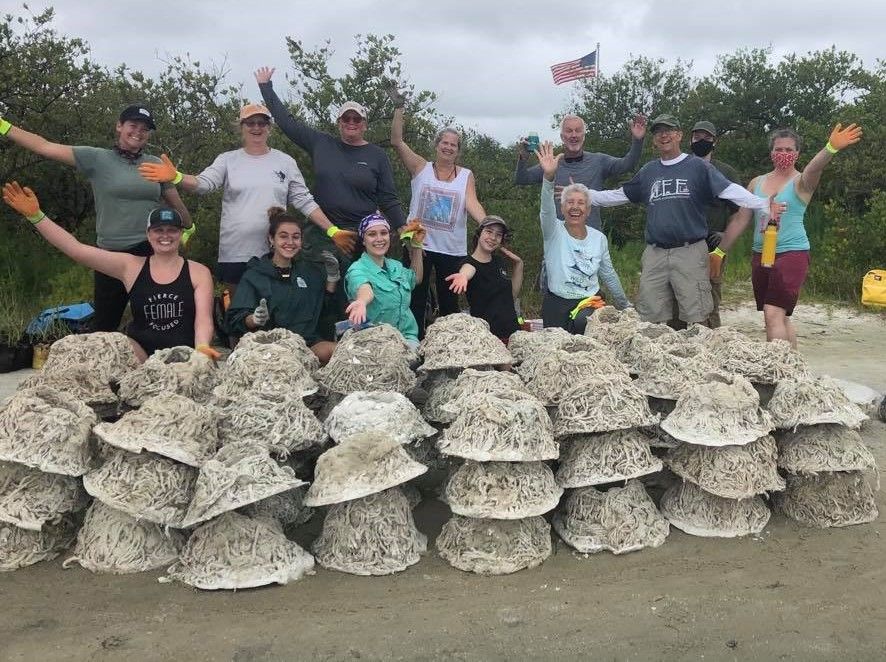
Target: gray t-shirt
x,y
676,195
123,198
350,182
592,169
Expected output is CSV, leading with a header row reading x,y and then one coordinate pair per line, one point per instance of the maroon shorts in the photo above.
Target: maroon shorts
x,y
779,285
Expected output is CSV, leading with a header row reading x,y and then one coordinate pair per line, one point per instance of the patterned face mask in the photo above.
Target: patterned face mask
x,y
784,160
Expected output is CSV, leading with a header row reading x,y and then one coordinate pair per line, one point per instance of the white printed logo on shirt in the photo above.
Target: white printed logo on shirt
x,y
163,311
300,281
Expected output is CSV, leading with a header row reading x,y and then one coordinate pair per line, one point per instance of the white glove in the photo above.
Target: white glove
x,y
260,315
333,270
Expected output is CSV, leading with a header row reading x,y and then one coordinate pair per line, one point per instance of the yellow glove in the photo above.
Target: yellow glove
x,y
4,127
24,201
206,350
591,302
187,233
344,240
414,233
842,138
160,172
715,263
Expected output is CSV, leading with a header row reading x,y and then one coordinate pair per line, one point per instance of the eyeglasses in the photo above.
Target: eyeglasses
x,y
255,124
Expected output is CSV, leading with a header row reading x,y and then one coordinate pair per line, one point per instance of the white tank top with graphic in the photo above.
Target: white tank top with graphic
x,y
441,208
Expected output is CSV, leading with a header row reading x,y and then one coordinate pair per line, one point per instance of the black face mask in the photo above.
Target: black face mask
x,y
702,147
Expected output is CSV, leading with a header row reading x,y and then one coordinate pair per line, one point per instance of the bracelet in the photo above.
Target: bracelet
x,y
830,148
178,177
37,217
4,127
718,252
332,230
187,233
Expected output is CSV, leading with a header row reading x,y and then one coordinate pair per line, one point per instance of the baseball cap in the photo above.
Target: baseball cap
x,y
351,105
138,113
704,125
495,220
666,120
251,109
164,216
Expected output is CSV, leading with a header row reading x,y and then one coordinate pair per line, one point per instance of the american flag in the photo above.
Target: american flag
x,y
585,67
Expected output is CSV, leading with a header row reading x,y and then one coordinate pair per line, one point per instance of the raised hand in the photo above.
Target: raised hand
x,y
547,160
458,282
23,200
165,171
260,315
638,126
842,138
263,74
395,95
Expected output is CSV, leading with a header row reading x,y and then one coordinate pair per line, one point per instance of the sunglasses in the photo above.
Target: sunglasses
x,y
252,124
351,119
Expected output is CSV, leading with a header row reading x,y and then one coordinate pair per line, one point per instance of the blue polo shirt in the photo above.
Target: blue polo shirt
x,y
392,290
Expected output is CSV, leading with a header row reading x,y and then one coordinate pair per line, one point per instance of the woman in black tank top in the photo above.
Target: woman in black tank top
x,y
170,297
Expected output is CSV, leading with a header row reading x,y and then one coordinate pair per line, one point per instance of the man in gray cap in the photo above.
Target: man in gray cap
x,y
676,188
702,142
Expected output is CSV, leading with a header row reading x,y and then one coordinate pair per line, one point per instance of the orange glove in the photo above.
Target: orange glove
x,y
206,350
160,172
344,240
24,201
842,138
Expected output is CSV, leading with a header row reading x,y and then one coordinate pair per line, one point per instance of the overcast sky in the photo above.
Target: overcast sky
x,y
487,60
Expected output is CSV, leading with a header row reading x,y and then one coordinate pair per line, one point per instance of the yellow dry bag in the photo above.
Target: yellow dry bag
x,y
873,288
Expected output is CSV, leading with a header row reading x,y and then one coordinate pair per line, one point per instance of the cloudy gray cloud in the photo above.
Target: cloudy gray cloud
x,y
487,61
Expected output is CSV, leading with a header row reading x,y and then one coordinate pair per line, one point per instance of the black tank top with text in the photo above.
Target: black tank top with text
x,y
162,315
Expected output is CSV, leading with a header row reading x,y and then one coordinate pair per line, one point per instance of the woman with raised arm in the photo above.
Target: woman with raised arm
x,y
122,198
777,287
283,289
170,297
443,194
379,287
576,255
490,291
253,178
352,177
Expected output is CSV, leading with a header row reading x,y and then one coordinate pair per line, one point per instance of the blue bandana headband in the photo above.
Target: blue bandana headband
x,y
371,221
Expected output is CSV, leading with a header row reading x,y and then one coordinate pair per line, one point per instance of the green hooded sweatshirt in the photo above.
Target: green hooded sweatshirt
x,y
294,303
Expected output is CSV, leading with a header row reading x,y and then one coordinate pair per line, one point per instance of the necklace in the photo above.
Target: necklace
x,y
449,177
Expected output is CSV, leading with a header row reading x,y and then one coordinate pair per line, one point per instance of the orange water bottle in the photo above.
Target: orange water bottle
x,y
770,238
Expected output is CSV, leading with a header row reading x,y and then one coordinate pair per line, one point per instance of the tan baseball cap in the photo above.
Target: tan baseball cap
x,y
251,109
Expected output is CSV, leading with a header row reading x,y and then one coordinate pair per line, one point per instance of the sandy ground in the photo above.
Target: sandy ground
x,y
790,593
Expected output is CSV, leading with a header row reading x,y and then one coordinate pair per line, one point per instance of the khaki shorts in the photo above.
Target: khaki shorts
x,y
675,275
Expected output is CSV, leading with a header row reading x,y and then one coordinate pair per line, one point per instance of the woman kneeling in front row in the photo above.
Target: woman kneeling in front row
x,y
282,289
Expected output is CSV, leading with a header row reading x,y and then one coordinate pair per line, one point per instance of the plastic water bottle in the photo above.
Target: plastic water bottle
x,y
532,142
770,238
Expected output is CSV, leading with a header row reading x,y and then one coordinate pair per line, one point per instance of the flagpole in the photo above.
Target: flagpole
x,y
597,58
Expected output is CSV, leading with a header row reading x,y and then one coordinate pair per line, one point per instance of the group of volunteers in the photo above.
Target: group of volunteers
x,y
285,272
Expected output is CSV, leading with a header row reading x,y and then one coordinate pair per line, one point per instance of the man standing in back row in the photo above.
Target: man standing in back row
x,y
580,167
675,189
702,142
